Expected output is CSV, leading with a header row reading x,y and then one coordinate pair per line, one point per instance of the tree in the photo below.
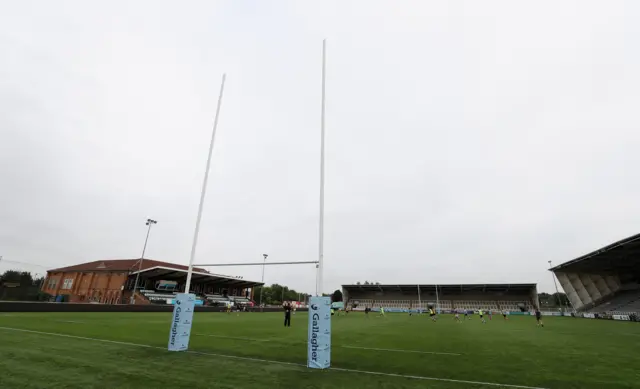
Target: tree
x,y
553,300
336,296
38,281
16,285
561,298
23,278
276,294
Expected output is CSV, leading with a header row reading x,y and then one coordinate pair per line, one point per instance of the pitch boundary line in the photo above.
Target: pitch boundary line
x,y
406,376
340,346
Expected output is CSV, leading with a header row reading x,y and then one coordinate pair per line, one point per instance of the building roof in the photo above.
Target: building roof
x,y
171,273
623,255
447,288
119,265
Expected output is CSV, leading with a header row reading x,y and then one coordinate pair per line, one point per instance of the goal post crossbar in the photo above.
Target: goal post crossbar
x,y
257,263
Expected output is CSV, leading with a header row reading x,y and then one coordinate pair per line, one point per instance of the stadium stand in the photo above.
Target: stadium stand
x,y
154,296
606,280
494,297
216,299
627,301
113,281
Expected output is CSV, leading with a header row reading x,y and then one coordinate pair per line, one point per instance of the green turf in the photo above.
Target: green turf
x,y
566,353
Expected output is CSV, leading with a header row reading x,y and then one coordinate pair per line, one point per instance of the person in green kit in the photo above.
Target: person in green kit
x,y
481,316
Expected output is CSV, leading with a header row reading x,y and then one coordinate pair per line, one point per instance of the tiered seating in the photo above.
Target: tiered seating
x,y
401,304
216,298
362,304
633,306
628,301
152,295
239,300
473,305
425,304
514,305
446,305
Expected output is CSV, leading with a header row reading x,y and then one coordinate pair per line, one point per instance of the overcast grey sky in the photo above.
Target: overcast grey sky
x,y
466,141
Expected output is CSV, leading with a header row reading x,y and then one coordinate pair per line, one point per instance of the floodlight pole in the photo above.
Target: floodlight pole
x,y
150,222
319,275
262,287
187,285
556,285
437,300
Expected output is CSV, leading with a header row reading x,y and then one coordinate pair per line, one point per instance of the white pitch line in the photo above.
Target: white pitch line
x,y
400,350
405,376
417,377
352,347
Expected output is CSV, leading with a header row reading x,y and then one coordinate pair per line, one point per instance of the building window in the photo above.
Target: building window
x,y
68,283
52,283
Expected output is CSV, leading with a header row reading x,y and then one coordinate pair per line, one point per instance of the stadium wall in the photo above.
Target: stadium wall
x,y
15,306
101,287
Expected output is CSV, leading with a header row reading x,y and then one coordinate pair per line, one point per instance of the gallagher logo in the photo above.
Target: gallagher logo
x,y
315,329
314,307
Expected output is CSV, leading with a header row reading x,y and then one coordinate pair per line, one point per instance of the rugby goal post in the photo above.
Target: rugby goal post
x,y
319,336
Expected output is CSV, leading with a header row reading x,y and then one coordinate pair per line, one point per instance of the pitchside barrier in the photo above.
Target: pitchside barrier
x,y
607,316
449,311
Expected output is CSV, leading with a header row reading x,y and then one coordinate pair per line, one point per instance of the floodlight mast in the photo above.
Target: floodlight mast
x,y
262,287
150,222
187,285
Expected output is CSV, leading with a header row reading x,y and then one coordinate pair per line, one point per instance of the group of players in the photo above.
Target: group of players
x,y
456,315
289,308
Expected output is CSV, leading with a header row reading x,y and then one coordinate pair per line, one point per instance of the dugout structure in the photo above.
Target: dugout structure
x,y
606,280
444,298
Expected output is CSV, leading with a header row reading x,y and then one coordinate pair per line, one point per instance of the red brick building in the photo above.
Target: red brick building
x,y
112,281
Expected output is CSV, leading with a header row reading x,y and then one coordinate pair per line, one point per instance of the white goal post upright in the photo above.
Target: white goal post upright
x,y
184,303
319,281
204,188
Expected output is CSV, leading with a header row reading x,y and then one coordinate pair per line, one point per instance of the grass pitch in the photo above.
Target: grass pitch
x,y
254,350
